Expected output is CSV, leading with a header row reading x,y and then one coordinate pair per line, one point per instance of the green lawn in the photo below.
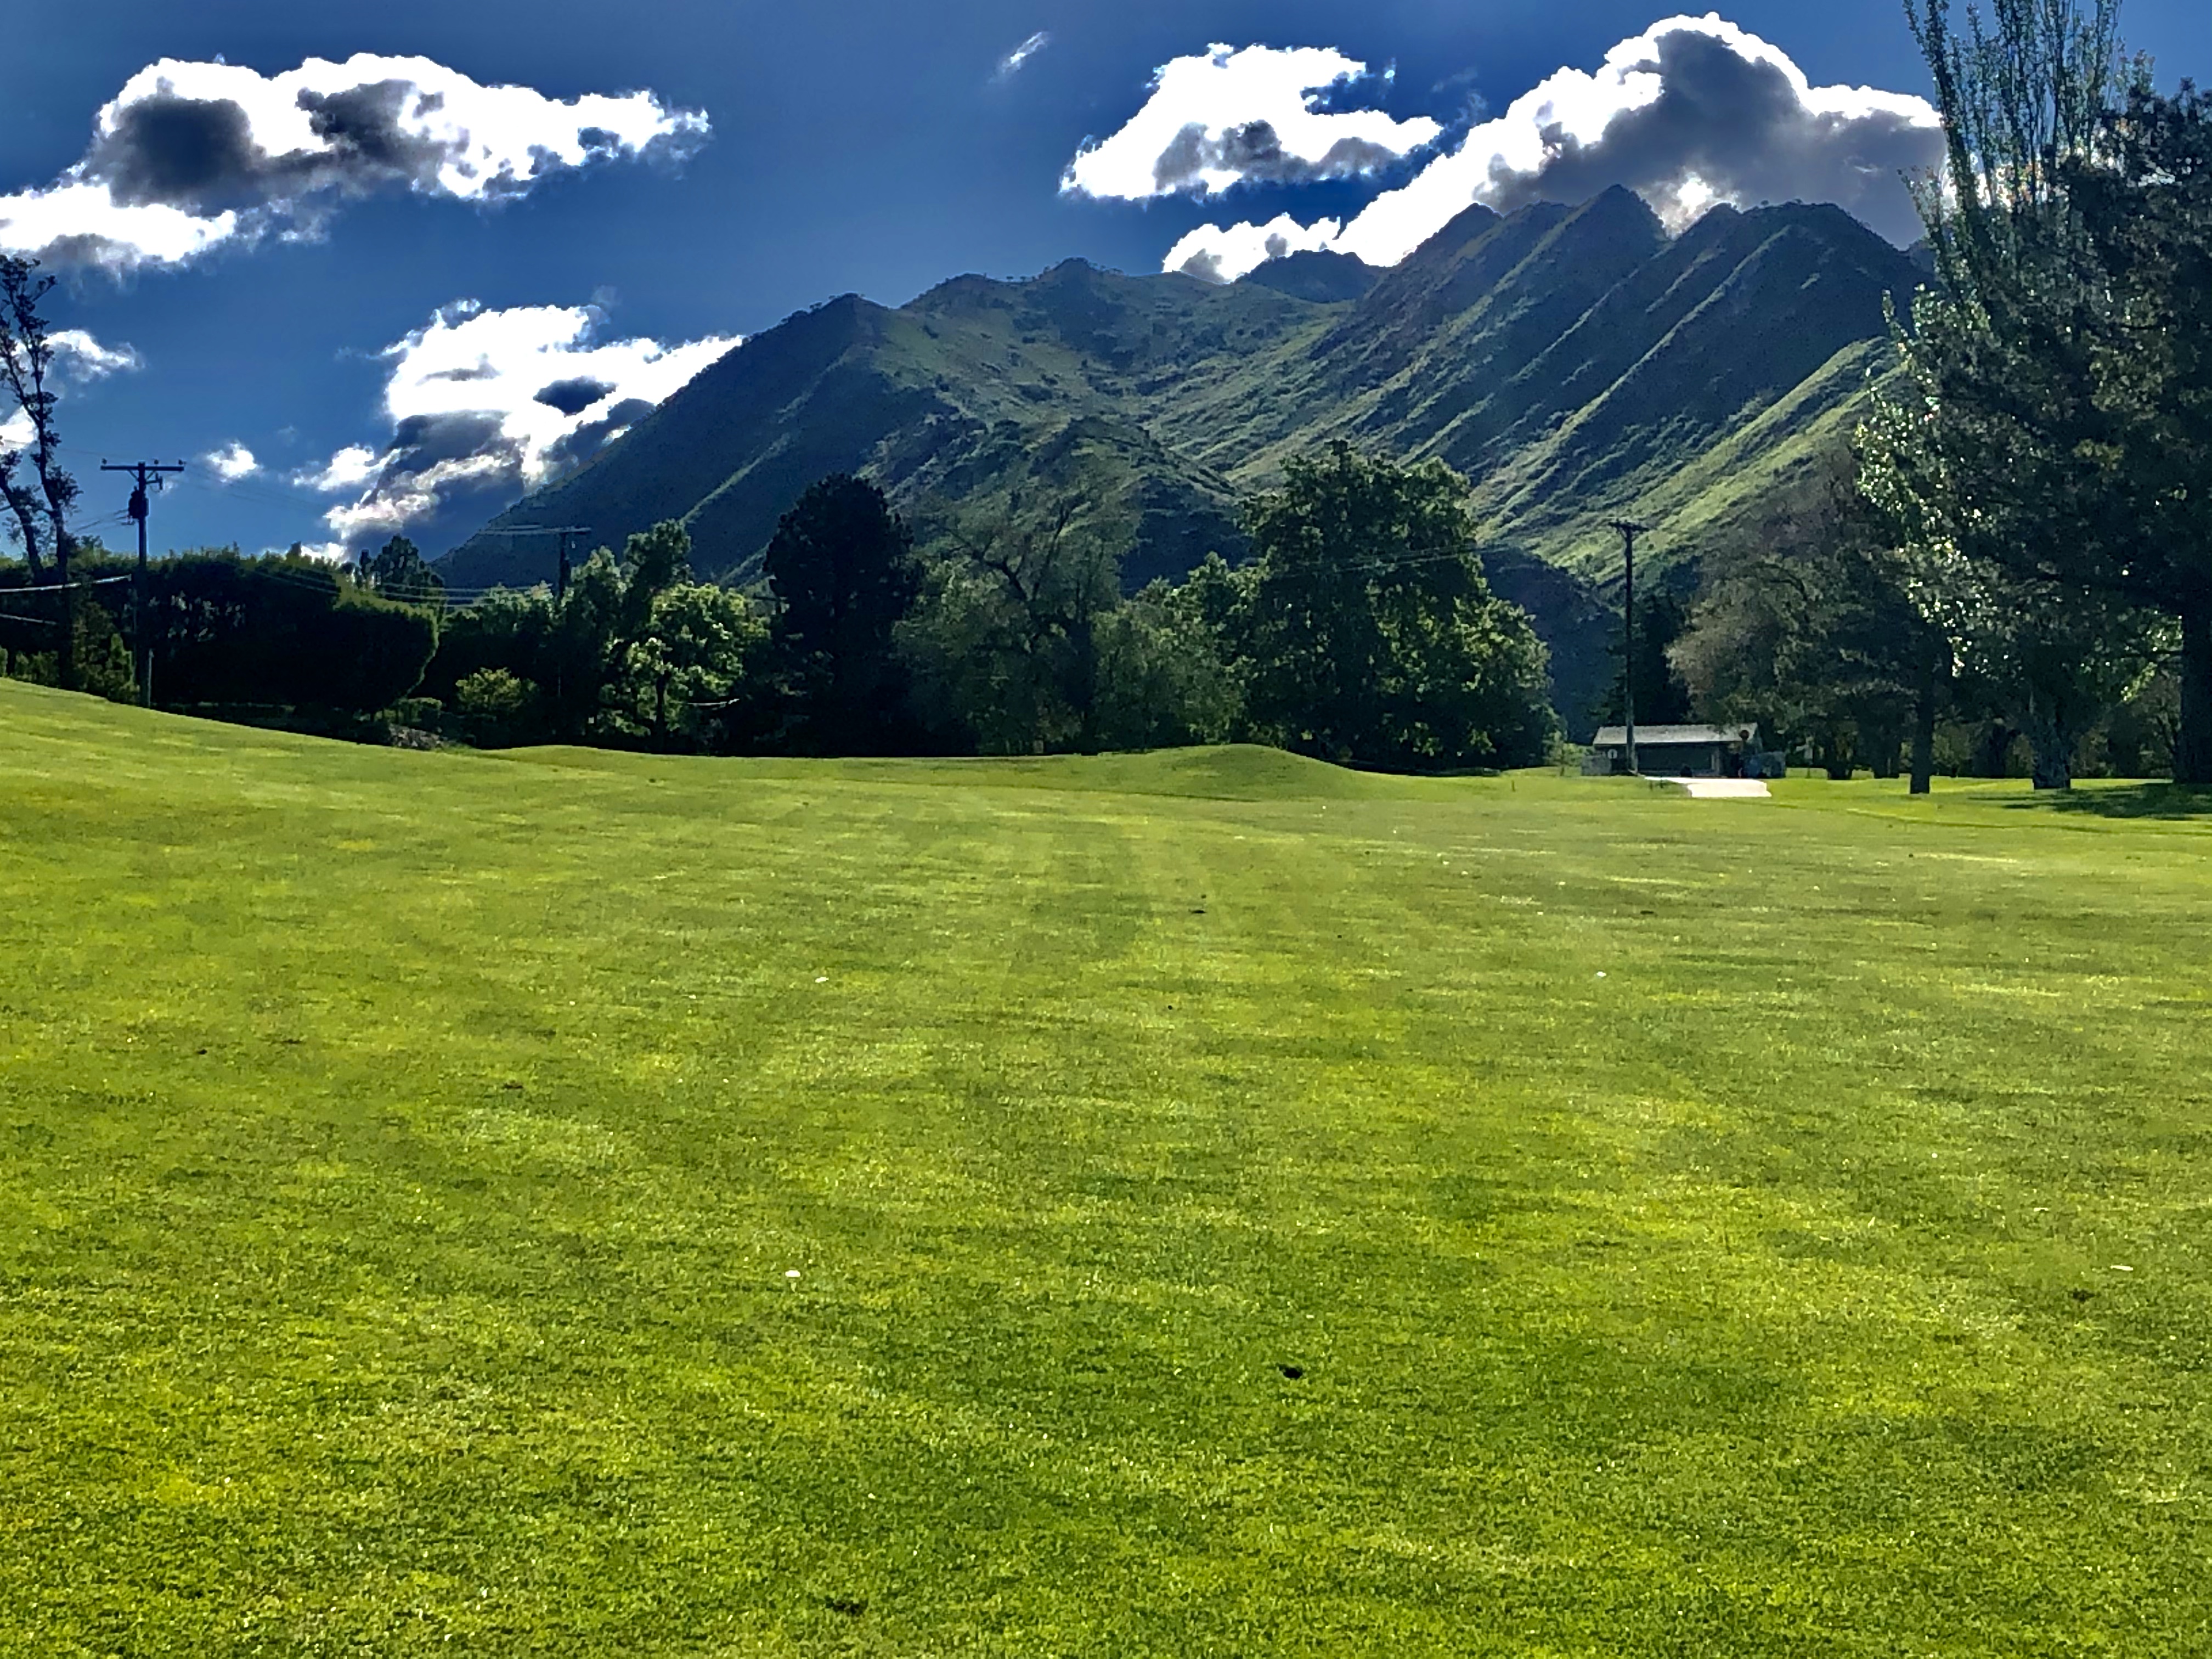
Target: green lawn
x,y
581,1205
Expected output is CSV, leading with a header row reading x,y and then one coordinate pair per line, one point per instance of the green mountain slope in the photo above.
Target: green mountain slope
x,y
1574,362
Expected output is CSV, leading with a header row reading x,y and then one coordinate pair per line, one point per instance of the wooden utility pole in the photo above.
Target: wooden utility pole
x,y
1629,532
146,477
561,585
560,572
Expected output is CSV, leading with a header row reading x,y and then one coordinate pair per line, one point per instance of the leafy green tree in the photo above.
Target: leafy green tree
x,y
1007,641
2140,735
502,629
654,562
582,647
2053,660
2034,466
687,675
1164,678
1811,632
496,708
282,634
1370,635
103,661
398,571
1215,594
585,651
842,572
634,651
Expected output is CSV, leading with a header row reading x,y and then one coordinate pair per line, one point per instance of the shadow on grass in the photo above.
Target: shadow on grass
x,y
2175,801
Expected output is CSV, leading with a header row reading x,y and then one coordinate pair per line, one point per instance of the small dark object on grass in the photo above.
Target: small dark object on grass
x,y
2081,1295
851,1606
1293,1372
1199,911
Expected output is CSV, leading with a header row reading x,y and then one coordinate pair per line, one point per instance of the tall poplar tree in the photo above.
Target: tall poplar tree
x,y
842,569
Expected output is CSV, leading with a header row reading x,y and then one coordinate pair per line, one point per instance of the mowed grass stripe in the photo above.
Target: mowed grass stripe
x,y
403,1159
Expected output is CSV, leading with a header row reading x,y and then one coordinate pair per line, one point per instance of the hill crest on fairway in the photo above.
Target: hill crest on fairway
x,y
1240,771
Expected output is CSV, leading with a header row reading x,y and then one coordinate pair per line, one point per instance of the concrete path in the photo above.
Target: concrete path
x,y
1724,789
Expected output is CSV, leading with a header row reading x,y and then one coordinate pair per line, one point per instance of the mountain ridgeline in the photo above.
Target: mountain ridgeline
x,y
1573,362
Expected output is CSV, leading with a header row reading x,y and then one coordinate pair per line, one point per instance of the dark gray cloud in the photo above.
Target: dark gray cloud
x,y
191,155
575,395
370,144
1741,127
1206,265
200,154
1256,154
422,443
589,439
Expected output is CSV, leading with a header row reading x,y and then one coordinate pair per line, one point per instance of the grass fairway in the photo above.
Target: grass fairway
x,y
585,1205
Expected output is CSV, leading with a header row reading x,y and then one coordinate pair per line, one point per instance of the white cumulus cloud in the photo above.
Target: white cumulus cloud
x,y
78,360
84,360
1694,111
1259,116
351,468
231,463
486,404
1012,63
1222,254
190,157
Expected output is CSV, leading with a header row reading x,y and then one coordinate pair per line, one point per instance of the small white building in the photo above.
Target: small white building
x,y
1676,751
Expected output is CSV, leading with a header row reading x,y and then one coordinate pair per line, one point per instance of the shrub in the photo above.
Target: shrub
x,y
496,709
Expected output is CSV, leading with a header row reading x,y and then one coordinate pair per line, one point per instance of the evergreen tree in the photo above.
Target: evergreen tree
x,y
1662,696
842,571
2145,210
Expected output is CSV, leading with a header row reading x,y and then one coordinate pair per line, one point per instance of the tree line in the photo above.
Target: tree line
x,y
1361,630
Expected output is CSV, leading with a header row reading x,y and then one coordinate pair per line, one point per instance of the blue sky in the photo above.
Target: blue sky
x,y
876,147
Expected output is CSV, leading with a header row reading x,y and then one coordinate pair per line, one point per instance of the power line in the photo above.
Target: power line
x,y
64,587
564,531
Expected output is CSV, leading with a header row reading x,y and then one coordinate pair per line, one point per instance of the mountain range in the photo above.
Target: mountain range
x,y
1576,363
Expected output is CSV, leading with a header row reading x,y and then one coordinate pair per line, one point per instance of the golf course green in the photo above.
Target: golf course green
x,y
1197,1204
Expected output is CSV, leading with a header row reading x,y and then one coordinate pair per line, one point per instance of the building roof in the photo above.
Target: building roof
x,y
1659,737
